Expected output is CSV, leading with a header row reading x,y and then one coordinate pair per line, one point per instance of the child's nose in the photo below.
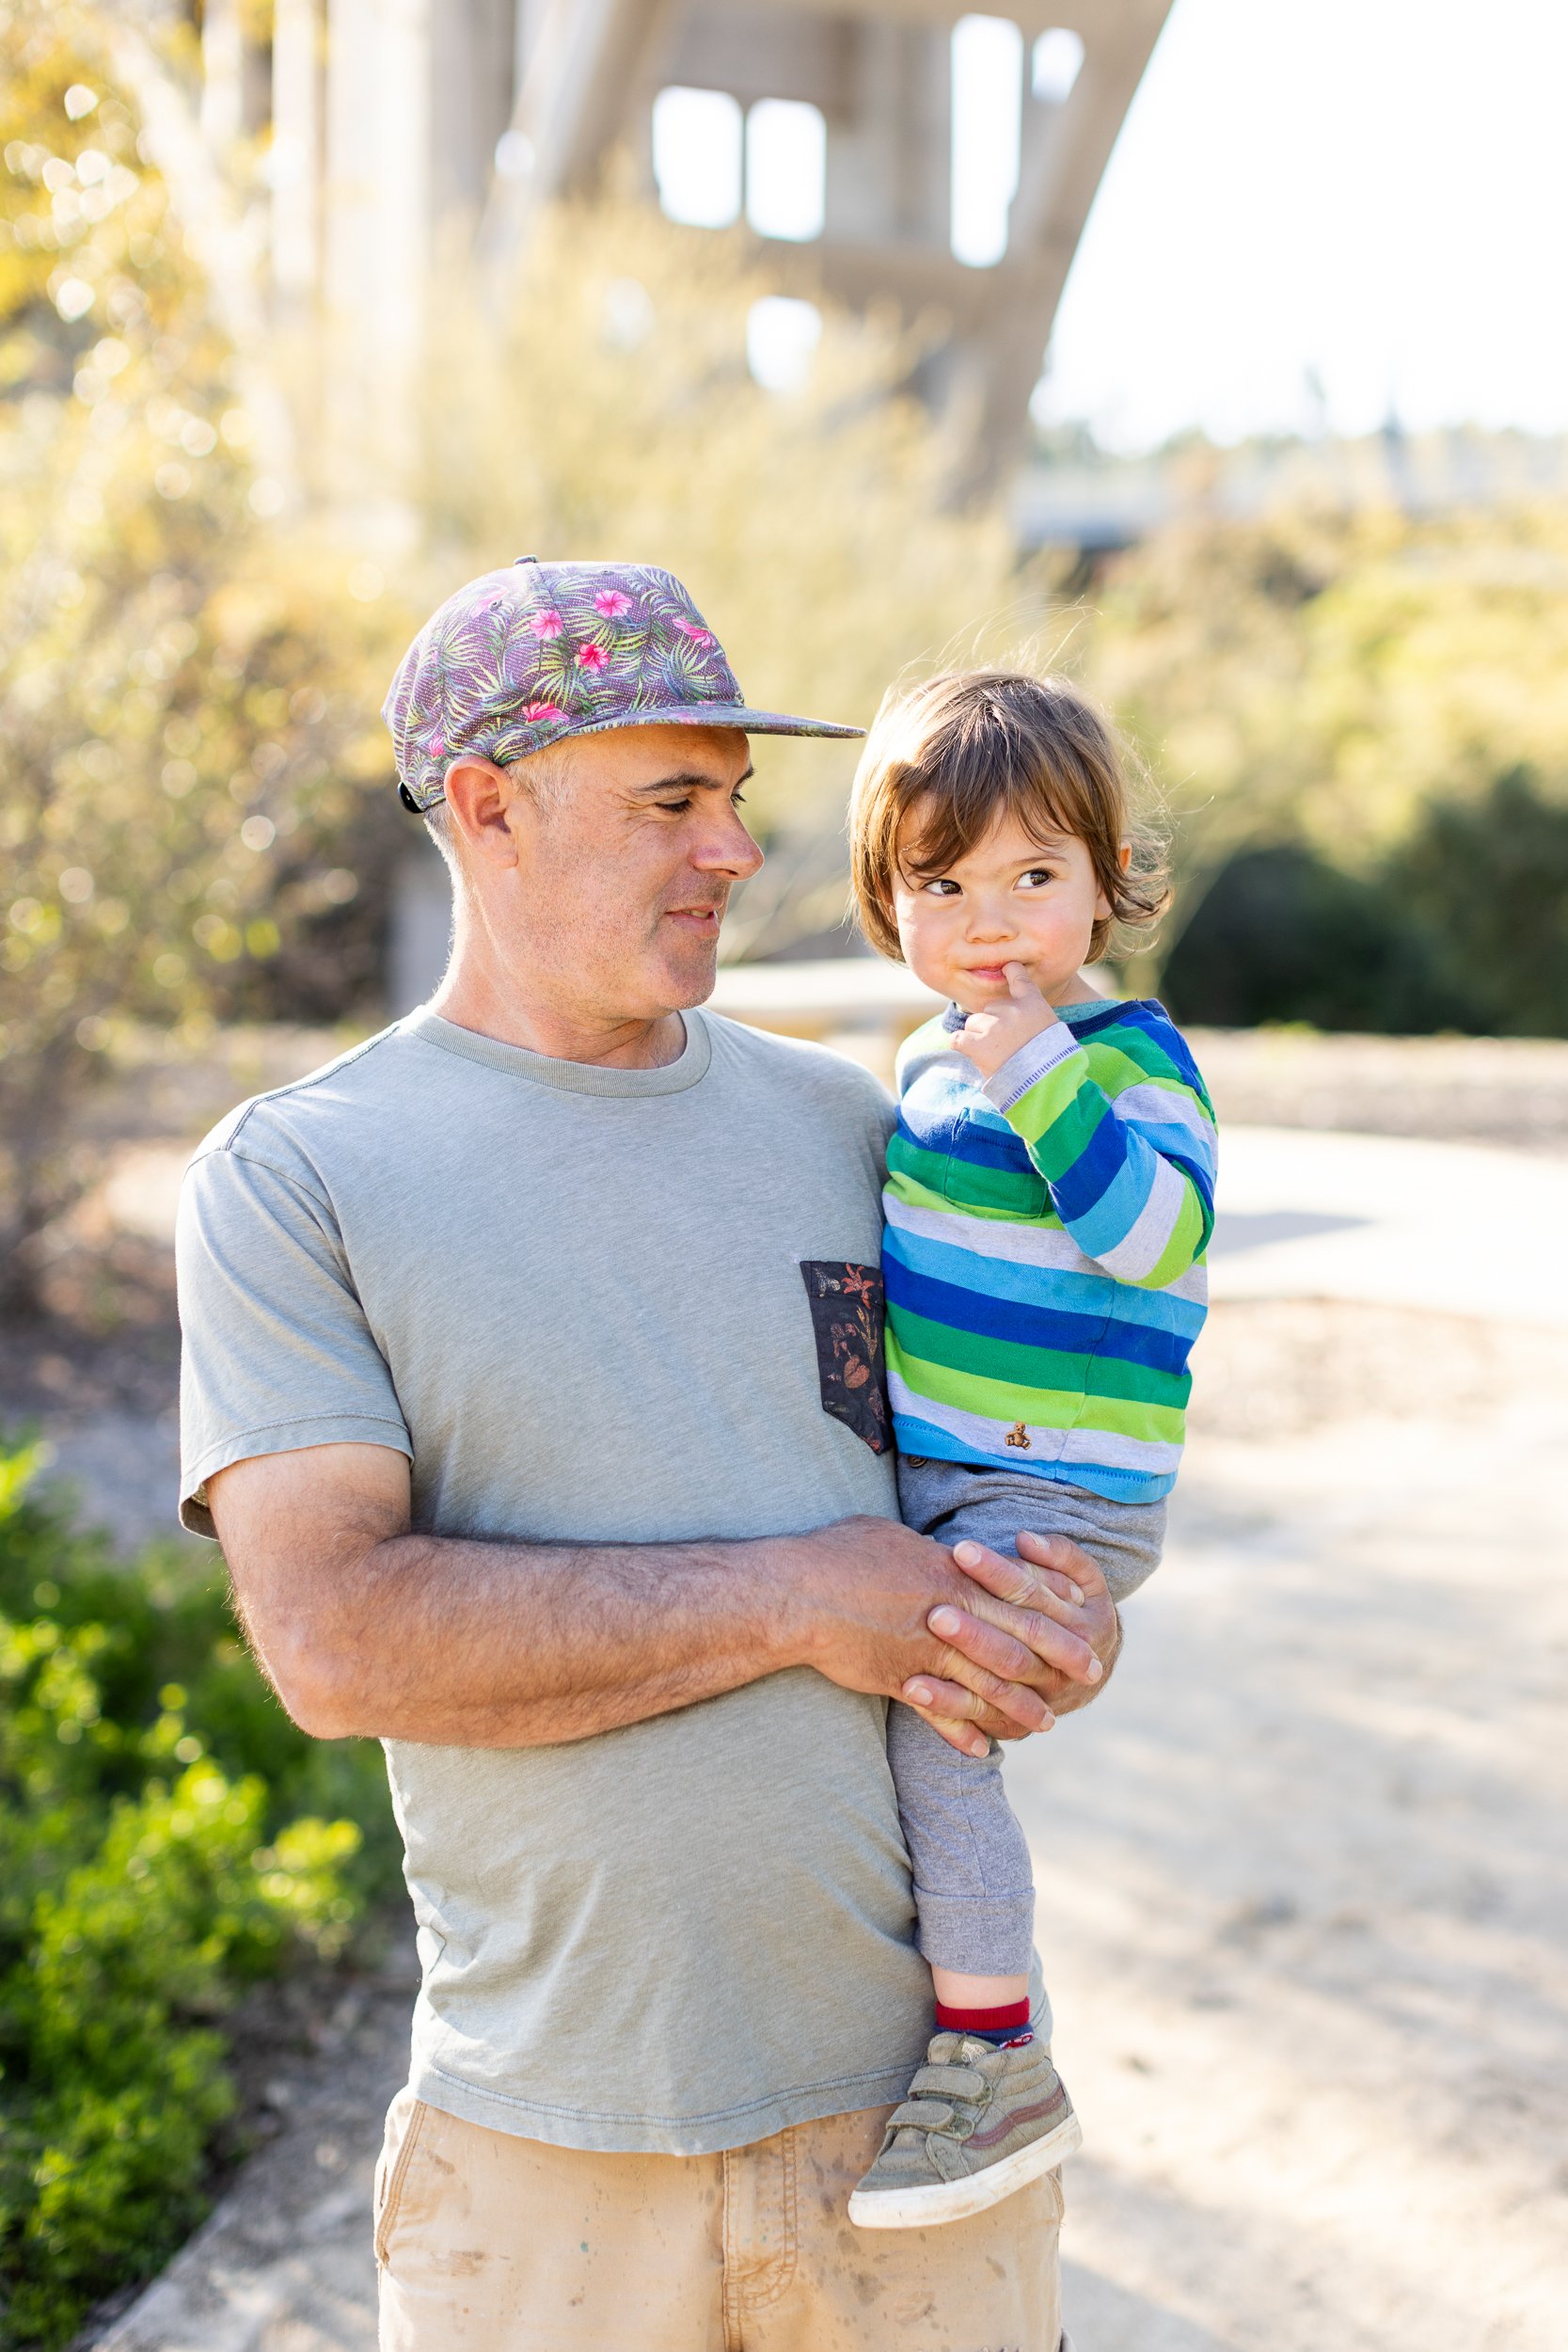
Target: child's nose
x,y
989,922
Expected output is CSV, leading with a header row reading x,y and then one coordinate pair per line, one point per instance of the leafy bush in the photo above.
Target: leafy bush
x,y
1326,678
1486,881
166,1837
193,814
1282,935
1464,926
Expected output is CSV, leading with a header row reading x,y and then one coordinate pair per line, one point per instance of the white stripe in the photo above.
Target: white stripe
x,y
990,1437
1140,1250
1049,1246
1036,1057
984,1237
1157,1107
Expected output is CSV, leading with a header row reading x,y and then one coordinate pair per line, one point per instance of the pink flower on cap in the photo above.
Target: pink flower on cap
x,y
483,672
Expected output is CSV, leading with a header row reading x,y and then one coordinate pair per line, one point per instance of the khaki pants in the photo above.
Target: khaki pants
x,y
487,2243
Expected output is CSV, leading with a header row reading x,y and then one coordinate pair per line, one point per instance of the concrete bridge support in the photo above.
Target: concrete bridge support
x,y
401,124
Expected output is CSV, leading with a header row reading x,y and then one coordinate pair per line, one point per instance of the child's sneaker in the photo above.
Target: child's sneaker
x,y
978,2123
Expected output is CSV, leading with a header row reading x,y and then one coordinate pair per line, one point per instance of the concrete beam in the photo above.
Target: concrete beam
x,y
1064,151
587,74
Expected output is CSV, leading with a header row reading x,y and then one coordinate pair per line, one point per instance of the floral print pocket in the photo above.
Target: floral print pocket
x,y
846,1311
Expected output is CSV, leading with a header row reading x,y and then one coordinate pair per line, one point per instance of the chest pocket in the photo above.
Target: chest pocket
x,y
988,1168
847,1311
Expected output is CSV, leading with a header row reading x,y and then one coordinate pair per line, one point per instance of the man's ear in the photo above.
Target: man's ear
x,y
480,796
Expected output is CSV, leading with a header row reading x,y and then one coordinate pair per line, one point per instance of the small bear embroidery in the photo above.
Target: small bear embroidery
x,y
1019,1435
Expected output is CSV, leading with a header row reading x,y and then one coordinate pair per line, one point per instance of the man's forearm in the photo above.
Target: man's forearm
x,y
365,1627
505,1646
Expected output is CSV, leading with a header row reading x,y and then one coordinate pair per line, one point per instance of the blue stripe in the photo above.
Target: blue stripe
x,y
1145,1017
1033,1326
1202,1181
1099,1223
1095,1170
1115,1485
1178,1143
1076,1292
991,1318
964,1136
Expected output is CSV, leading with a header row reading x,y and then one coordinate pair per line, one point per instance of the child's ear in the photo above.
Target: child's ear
x,y
1104,910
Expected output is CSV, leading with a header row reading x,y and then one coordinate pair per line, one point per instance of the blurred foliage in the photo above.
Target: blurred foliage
x,y
1484,883
1326,678
1352,687
166,1837
188,743
1282,935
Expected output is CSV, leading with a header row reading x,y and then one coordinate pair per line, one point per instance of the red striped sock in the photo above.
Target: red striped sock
x,y
1005,2026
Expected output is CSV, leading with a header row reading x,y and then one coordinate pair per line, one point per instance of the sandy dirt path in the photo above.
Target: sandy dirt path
x,y
1304,1876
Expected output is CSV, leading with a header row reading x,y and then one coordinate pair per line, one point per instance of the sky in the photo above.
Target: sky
x,y
1369,193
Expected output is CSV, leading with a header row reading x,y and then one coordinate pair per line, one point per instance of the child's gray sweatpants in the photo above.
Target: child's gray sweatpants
x,y
972,1887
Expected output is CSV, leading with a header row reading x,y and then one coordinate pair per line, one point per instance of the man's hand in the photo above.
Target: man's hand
x,y
1001,1645
1051,1591
367,1628
990,1039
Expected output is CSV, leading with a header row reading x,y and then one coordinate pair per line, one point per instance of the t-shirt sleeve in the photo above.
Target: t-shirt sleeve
x,y
277,1352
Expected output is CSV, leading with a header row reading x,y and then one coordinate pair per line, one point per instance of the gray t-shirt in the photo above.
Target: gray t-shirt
x,y
574,1297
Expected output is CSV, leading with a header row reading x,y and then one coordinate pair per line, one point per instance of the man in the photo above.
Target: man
x,y
531,1385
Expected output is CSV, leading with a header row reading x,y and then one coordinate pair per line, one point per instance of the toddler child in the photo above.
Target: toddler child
x,y
1049,1199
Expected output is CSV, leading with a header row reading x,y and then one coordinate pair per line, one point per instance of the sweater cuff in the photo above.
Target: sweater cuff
x,y
1035,1058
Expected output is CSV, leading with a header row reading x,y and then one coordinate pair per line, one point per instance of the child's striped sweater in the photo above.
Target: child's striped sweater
x,y
1044,1249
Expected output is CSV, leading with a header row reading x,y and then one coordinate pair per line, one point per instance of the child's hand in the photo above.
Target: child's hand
x,y
990,1039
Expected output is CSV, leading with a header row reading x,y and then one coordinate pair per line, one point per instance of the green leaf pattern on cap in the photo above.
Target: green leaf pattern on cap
x,y
520,657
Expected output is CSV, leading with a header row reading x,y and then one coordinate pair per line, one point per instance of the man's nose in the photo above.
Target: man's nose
x,y
727,848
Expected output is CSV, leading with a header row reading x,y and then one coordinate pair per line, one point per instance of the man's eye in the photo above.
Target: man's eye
x,y
676,808
738,798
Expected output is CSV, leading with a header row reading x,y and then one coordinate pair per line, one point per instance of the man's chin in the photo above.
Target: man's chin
x,y
689,973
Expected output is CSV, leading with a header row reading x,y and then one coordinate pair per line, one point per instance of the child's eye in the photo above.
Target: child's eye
x,y
1036,878
944,886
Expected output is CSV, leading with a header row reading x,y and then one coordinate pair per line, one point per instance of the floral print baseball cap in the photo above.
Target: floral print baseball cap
x,y
522,657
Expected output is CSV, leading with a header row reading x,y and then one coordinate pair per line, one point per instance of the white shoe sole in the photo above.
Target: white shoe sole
x,y
955,2201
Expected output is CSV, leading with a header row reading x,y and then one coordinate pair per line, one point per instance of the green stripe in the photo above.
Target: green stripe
x,y
1056,1132
1188,1241
1025,1367
1134,1049
914,1195
1020,1191
1047,1408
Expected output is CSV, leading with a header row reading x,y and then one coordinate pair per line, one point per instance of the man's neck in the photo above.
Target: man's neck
x,y
472,1000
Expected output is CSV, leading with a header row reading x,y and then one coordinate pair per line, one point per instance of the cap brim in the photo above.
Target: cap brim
x,y
714,715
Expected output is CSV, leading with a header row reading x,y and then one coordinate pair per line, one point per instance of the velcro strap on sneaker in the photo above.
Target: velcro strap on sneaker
x,y
921,2115
951,2082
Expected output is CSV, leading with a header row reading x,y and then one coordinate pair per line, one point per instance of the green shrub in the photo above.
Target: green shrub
x,y
1486,881
165,1839
1282,935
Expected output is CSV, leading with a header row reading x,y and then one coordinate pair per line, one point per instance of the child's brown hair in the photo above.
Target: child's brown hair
x,y
946,759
